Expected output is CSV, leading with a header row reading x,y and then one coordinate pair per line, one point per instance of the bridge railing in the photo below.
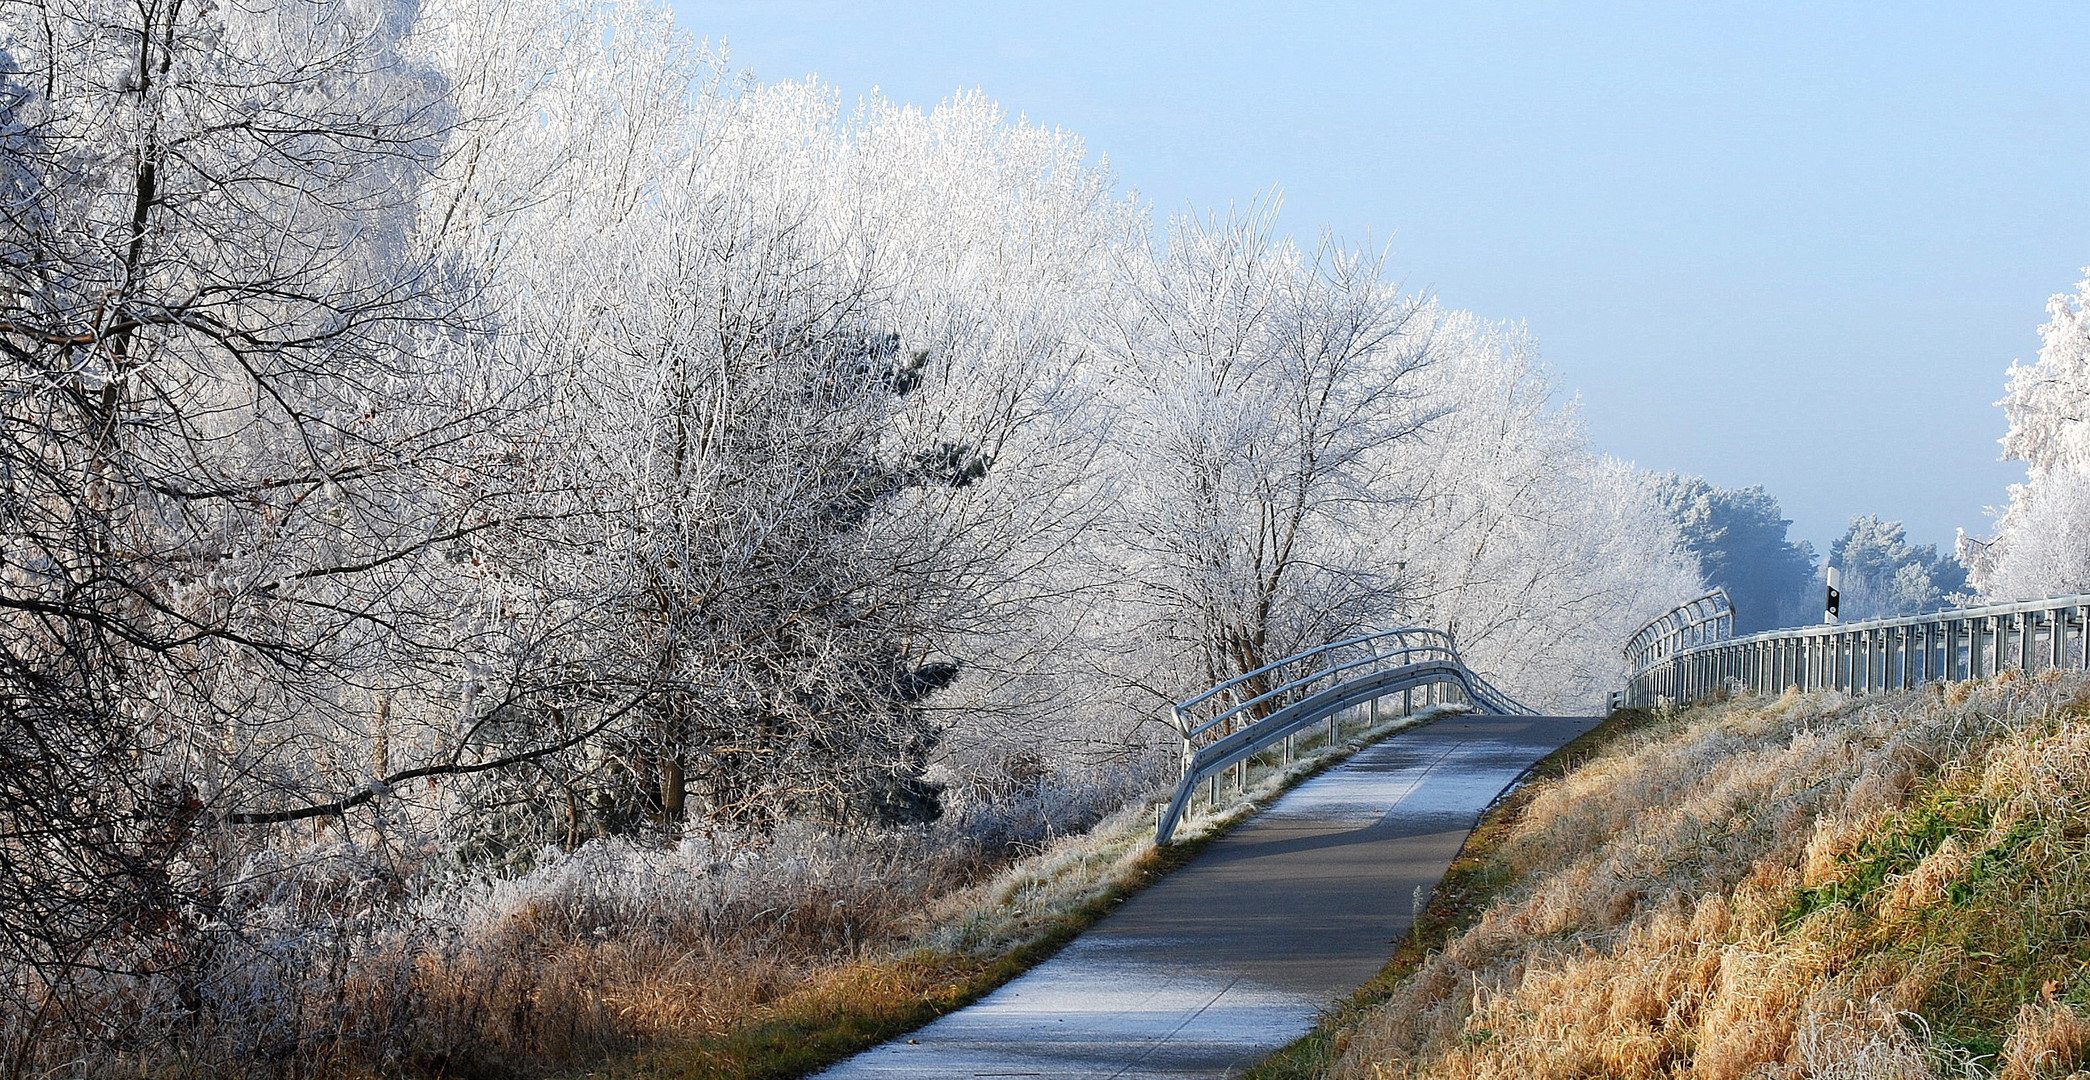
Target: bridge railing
x,y
1247,714
1869,656
1708,618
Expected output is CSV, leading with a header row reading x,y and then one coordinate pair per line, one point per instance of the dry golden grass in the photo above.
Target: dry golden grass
x,y
1809,886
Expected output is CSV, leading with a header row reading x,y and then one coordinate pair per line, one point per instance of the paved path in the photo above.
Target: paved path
x,y
1233,955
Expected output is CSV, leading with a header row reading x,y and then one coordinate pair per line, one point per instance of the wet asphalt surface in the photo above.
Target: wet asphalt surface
x,y
1233,955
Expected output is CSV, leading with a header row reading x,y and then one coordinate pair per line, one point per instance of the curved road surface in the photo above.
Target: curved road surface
x,y
1233,955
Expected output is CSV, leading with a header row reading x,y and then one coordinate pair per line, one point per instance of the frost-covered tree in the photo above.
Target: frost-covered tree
x,y
1261,385
818,372
1739,538
1883,574
2038,548
1537,554
235,431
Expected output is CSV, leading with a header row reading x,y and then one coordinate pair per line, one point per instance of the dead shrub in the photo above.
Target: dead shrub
x,y
2048,1039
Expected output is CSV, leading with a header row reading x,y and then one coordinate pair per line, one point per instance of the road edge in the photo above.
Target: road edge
x,y
828,1022
1469,884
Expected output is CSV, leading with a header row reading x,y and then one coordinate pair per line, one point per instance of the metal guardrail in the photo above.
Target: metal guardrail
x,y
1708,618
1245,715
1870,656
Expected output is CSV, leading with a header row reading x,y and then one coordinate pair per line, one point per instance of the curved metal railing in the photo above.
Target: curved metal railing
x,y
1708,618
1248,713
1869,656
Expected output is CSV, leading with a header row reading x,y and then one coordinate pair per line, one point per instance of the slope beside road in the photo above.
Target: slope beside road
x,y
1234,954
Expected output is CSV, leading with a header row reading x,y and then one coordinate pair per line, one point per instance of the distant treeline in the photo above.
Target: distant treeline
x,y
1739,537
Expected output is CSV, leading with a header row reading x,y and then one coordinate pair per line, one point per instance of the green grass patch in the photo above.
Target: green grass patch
x,y
1904,840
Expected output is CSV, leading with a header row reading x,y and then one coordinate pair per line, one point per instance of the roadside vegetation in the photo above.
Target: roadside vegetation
x,y
709,960
938,956
1800,886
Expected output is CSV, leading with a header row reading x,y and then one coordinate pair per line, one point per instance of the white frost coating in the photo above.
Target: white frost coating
x,y
2041,545
1356,796
1091,1013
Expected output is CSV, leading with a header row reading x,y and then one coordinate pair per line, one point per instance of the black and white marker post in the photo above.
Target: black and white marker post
x,y
1832,603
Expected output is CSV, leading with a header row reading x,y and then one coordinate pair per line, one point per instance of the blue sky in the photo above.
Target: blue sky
x,y
1788,244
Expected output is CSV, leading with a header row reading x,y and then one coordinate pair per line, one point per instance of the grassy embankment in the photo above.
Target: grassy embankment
x,y
966,944
1806,886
